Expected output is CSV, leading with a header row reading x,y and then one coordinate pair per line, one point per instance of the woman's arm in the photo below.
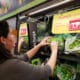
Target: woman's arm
x,y
52,60
20,43
34,50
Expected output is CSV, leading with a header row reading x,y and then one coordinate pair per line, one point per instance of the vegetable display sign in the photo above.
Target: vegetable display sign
x,y
68,22
23,30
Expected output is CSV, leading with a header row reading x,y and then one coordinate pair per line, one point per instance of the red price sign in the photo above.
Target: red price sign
x,y
74,25
23,31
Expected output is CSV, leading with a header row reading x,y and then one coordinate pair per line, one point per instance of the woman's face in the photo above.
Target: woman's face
x,y
10,41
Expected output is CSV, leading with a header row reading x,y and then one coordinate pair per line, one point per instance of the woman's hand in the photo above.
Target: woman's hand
x,y
21,40
54,46
45,41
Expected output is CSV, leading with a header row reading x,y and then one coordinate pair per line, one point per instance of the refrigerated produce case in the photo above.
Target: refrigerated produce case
x,y
68,61
42,19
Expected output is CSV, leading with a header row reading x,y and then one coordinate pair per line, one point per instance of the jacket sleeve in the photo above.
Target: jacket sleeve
x,y
22,57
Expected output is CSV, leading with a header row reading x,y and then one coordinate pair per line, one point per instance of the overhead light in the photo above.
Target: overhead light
x,y
22,17
49,7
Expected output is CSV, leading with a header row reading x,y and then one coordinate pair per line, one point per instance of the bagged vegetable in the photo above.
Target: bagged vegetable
x,y
60,40
65,72
72,45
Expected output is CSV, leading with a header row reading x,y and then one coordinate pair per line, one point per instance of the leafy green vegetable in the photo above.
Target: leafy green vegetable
x,y
72,45
75,43
36,61
59,39
64,72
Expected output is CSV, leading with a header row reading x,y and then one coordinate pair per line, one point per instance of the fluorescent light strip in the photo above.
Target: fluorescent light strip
x,y
51,6
21,17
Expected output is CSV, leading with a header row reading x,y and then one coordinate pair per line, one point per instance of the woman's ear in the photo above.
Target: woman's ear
x,y
3,40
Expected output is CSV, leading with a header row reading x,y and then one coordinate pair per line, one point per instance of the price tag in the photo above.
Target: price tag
x,y
23,31
74,25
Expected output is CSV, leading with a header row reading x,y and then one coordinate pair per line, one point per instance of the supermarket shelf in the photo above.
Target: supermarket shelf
x,y
63,56
70,57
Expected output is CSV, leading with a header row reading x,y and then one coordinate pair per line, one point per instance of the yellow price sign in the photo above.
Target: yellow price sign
x,y
68,22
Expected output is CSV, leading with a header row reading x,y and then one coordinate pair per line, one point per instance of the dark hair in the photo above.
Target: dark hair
x,y
4,28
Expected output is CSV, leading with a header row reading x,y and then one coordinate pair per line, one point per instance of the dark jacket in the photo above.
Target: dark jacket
x,y
17,69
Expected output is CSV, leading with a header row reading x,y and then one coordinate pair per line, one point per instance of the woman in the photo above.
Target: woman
x,y
15,68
